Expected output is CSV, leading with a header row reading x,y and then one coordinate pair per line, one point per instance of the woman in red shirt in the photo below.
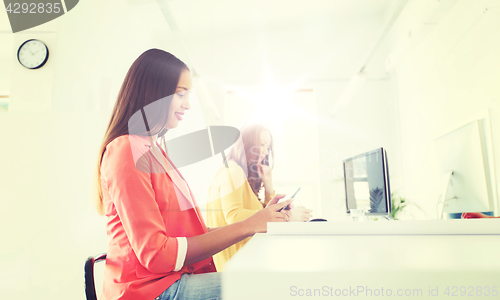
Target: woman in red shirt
x,y
159,246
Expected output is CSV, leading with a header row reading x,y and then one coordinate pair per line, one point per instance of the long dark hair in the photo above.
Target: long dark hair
x,y
244,154
153,75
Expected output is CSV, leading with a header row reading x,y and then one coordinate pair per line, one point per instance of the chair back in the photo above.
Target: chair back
x,y
89,275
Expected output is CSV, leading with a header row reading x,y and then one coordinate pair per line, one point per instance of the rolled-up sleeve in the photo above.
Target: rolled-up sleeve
x,y
131,191
181,253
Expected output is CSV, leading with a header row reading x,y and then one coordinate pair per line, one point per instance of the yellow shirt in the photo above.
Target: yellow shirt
x,y
230,200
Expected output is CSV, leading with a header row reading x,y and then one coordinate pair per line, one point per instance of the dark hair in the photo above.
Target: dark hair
x,y
242,153
153,75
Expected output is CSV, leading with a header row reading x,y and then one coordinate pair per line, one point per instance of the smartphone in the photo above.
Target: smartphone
x,y
288,206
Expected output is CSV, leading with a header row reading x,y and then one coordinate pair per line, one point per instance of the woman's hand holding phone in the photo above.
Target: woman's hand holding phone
x,y
289,207
258,222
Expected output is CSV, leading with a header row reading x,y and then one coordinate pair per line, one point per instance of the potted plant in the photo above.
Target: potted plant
x,y
404,209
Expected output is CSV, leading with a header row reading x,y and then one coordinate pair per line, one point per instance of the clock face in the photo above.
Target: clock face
x,y
33,54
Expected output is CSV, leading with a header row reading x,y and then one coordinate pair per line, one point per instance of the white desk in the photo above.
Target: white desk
x,y
279,267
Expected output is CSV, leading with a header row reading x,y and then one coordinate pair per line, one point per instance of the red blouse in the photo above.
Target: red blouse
x,y
147,210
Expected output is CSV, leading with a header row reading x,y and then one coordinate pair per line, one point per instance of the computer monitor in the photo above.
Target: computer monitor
x,y
464,167
366,179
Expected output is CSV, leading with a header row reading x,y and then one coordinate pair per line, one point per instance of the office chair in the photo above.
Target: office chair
x,y
89,275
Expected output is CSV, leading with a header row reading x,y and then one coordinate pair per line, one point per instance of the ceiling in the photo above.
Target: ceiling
x,y
230,16
281,40
233,40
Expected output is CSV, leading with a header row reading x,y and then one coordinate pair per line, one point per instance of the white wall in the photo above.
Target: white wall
x,y
6,63
48,224
104,46
449,77
368,122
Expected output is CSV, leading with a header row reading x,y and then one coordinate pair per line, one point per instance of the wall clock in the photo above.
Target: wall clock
x,y
33,54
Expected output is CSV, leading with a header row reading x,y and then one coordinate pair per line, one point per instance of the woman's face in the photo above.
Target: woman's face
x,y
180,100
265,143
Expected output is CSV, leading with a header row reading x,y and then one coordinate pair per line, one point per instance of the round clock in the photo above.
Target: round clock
x,y
33,54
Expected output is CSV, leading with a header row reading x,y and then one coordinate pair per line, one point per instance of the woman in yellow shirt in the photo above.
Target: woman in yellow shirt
x,y
234,192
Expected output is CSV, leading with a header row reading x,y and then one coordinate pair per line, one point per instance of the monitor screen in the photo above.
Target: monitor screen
x,y
463,151
366,178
